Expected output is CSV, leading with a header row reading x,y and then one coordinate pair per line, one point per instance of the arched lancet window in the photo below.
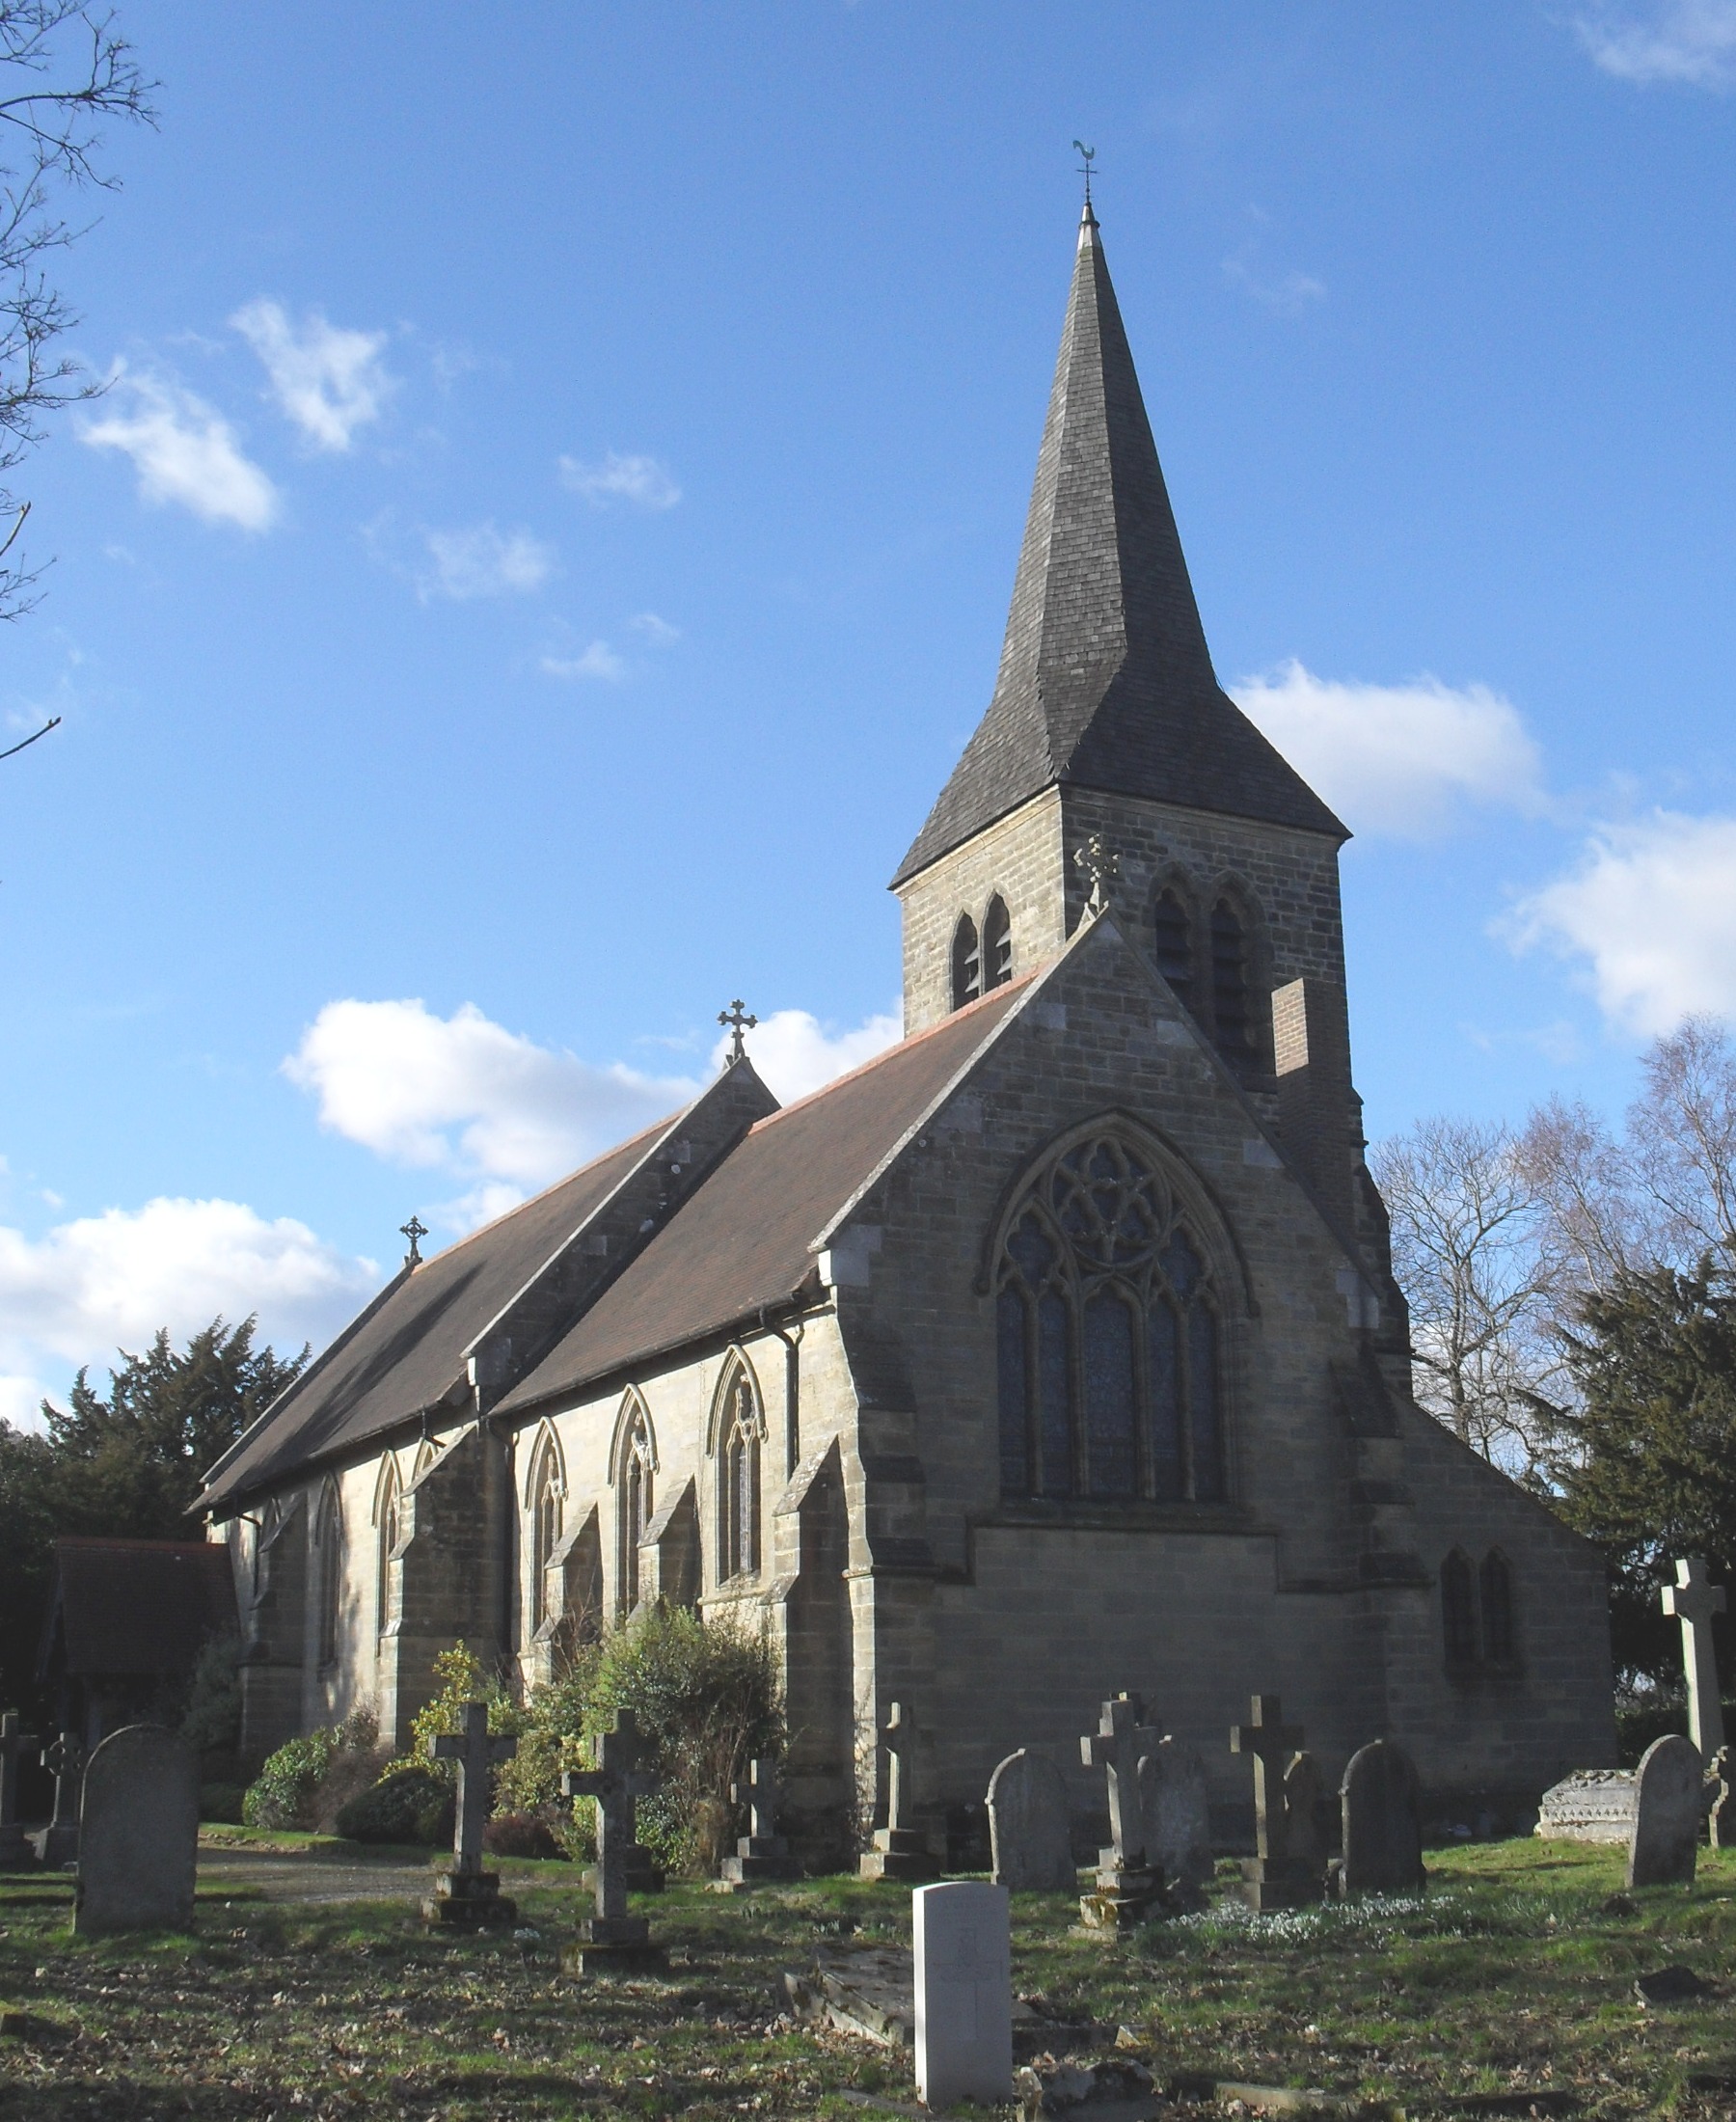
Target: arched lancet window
x,y
546,1497
1232,1024
967,963
1458,1608
1171,937
634,1501
1496,1584
997,944
1108,1342
328,1545
738,1455
389,1518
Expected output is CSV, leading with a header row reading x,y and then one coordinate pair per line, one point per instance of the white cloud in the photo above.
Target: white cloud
x,y
1691,41
327,380
796,1053
598,661
1650,907
640,480
479,562
104,1283
183,450
1289,293
658,632
1402,760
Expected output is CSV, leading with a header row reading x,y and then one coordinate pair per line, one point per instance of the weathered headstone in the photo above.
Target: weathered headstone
x,y
1272,1879
1027,1826
57,1843
964,1993
14,1744
898,1851
138,1834
1177,1819
612,1939
466,1898
1592,1805
1381,1807
1302,1780
1694,1598
1668,1801
1129,1888
762,1853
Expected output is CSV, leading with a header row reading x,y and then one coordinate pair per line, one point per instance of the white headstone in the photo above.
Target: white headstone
x,y
1028,1827
964,1993
1178,1822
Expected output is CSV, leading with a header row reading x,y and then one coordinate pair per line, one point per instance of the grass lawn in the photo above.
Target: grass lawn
x,y
1514,1974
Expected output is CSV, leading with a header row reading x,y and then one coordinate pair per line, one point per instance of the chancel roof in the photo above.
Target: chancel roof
x,y
1106,679
136,1609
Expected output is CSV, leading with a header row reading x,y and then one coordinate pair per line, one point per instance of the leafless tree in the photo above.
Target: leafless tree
x,y
66,72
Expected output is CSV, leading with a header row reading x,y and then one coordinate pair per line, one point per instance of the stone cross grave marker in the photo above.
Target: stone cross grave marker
x,y
1028,1833
138,1834
14,1744
1178,1820
1127,1885
1273,1879
963,1957
898,1850
466,1898
1694,1598
618,1778
1381,1807
1667,1799
762,1853
58,1842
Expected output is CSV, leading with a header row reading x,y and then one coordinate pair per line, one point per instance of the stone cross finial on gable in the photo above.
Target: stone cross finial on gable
x,y
475,1755
739,1021
1101,867
1694,1598
14,1744
760,1796
415,1230
1121,1737
617,1780
1270,1741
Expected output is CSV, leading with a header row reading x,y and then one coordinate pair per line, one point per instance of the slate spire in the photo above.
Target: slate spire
x,y
1106,679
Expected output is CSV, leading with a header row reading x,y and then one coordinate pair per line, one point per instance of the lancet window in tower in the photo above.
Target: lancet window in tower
x,y
997,944
1458,1608
967,963
328,1543
1229,1002
1171,937
1495,1582
738,1482
391,1523
634,1506
1108,1340
545,1528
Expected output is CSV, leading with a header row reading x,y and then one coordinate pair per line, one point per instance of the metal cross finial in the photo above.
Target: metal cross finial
x,y
739,1021
1102,867
1090,155
414,1231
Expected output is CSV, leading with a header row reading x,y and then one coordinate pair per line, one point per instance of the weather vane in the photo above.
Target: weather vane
x,y
1090,155
739,1021
415,1230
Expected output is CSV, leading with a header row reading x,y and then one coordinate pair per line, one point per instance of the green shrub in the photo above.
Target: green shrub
x,y
212,1719
459,1677
409,1804
550,1739
282,1794
221,1803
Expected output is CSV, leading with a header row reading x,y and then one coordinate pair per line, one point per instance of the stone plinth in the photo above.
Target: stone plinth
x,y
469,1900
760,1857
1126,1895
1595,1805
898,1853
964,1993
613,1944
1271,1882
55,1845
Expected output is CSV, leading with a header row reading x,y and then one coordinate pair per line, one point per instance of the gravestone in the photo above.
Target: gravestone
x,y
898,1851
1029,1828
1593,1805
57,1843
466,1898
1302,1780
1668,1801
964,1993
1381,1805
138,1834
612,1941
1272,1879
1694,1598
762,1853
1177,1819
1129,1889
14,1744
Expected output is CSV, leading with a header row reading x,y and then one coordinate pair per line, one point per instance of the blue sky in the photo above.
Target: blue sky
x,y
551,531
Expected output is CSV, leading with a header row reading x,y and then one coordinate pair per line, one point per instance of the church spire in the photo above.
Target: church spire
x,y
1106,679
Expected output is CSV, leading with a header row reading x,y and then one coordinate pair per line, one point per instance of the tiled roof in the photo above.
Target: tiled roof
x,y
744,1239
1106,679
138,1608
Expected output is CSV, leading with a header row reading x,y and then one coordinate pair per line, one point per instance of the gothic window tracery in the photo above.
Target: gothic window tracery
x,y
328,1542
1231,1014
997,944
1108,1336
738,1481
390,1519
547,1493
634,1503
1171,937
967,963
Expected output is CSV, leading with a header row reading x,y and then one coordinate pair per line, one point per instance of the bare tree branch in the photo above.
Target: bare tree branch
x,y
53,723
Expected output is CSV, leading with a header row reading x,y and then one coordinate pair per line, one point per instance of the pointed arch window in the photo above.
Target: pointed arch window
x,y
967,963
636,1504
1108,1341
1495,1582
546,1495
328,1579
737,1482
1171,937
1458,1608
997,944
1231,1016
389,1518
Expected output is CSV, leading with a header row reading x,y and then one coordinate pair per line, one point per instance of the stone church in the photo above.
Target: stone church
x,y
1054,1352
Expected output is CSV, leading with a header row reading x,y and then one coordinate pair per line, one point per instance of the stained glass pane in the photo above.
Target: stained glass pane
x,y
1202,1394
1053,1367
1497,1609
1010,1359
1163,1376
1180,1264
1110,1398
